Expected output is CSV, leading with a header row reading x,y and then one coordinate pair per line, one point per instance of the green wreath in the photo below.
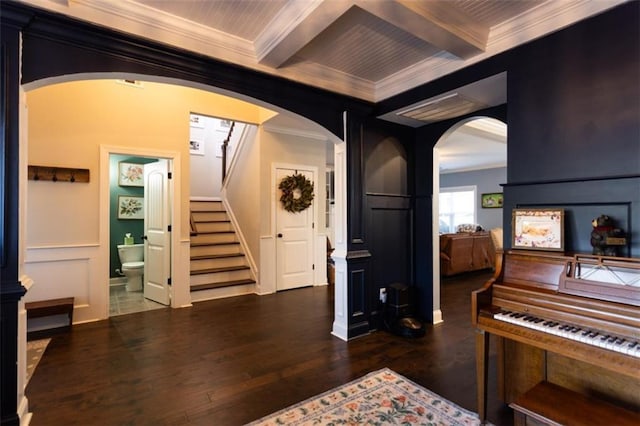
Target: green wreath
x,y
297,193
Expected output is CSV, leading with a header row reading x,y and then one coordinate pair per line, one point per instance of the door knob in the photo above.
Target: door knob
x,y
279,235
144,237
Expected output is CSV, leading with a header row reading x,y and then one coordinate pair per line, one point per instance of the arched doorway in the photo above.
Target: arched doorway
x,y
92,262
473,155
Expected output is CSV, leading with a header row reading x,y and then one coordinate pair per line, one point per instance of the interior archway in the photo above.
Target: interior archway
x,y
468,149
285,119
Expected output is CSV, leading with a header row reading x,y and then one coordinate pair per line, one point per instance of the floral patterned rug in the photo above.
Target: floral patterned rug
x,y
35,350
379,398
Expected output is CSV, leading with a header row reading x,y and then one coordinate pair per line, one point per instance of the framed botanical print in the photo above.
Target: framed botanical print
x,y
130,174
130,207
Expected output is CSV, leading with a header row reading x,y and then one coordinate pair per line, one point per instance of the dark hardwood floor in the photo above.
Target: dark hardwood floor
x,y
231,361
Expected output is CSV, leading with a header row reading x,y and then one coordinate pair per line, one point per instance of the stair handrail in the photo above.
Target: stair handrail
x,y
225,145
192,224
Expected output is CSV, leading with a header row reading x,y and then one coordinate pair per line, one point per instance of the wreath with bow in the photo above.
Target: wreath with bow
x,y
297,193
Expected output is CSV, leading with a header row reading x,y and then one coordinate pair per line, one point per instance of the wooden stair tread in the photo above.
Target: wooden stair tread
x,y
208,211
216,256
222,269
214,244
215,232
208,286
213,221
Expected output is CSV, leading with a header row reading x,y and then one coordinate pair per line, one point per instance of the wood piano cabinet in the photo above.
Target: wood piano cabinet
x,y
573,321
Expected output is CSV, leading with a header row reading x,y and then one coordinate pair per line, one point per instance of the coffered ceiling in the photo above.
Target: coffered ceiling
x,y
368,49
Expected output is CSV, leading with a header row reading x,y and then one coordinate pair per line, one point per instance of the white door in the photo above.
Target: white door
x,y
294,239
157,240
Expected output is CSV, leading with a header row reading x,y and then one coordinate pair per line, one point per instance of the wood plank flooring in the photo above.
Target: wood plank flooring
x,y
231,361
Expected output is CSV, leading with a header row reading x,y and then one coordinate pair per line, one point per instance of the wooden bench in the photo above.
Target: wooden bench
x,y
550,404
45,308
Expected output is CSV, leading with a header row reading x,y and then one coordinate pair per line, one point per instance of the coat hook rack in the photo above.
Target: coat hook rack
x,y
58,174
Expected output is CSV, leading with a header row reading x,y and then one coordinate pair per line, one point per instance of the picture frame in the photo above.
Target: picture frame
x,y
130,174
130,207
493,200
196,121
538,229
196,146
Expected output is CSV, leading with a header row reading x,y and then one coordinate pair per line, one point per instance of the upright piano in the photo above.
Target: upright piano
x,y
570,320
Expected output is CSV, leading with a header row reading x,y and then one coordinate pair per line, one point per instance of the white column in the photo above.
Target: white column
x,y
341,320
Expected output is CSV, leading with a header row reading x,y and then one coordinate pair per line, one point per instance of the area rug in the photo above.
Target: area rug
x,y
35,350
379,398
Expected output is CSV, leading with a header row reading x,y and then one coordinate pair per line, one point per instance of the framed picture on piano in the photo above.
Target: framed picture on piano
x,y
538,229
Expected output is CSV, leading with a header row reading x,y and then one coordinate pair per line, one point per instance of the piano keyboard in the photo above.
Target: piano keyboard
x,y
572,332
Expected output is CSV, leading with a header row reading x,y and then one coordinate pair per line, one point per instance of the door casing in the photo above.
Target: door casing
x,y
180,296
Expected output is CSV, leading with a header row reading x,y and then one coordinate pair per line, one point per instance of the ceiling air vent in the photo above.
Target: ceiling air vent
x,y
445,107
130,83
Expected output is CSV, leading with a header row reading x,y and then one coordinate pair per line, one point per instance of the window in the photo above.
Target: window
x,y
457,206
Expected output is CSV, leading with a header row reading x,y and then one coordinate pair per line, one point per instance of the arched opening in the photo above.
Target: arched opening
x,y
164,142
471,158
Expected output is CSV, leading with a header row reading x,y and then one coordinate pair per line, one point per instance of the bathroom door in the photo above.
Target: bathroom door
x,y
157,237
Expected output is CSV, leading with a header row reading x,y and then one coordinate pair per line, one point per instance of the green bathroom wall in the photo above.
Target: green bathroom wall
x,y
119,227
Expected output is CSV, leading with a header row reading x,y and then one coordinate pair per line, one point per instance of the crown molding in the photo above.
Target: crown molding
x,y
286,21
294,132
549,17
146,22
544,19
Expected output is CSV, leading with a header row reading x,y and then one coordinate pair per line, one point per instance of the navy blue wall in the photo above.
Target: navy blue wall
x,y
388,185
574,126
573,114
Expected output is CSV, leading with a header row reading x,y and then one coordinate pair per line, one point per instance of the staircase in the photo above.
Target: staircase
x,y
218,265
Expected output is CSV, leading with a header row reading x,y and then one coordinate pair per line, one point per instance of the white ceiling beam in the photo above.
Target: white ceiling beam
x,y
435,22
299,22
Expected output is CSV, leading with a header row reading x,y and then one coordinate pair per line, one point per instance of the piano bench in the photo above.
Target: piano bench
x,y
550,404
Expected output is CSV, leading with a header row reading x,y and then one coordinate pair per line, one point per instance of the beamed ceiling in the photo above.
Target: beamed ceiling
x,y
368,49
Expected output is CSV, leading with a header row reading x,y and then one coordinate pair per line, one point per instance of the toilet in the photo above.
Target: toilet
x,y
131,258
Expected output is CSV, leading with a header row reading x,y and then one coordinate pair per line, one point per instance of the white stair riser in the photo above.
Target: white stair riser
x,y
205,216
218,293
218,277
221,249
208,205
214,238
218,263
213,226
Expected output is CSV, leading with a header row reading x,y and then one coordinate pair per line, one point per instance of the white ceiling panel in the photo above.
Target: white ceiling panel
x,y
368,49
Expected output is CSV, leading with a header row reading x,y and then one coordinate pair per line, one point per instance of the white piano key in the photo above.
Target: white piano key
x,y
571,332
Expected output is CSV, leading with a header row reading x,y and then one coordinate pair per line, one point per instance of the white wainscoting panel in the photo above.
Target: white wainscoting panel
x,y
320,277
267,282
69,271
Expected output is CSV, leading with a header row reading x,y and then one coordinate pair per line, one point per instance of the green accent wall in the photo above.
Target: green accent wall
x,y
119,227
